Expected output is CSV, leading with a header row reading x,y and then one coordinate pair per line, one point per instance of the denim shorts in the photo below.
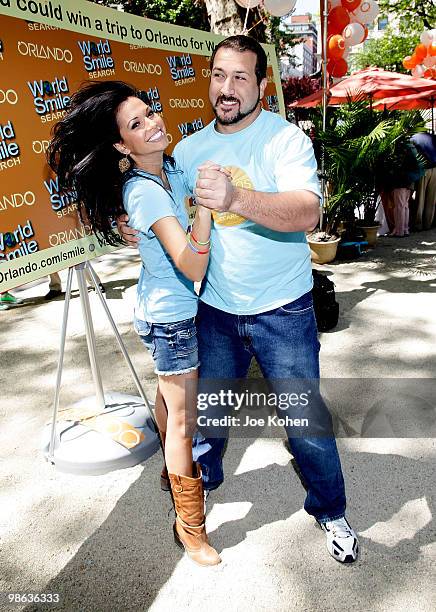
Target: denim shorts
x,y
173,346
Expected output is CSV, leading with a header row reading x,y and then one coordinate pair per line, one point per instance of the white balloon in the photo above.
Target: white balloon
x,y
278,8
353,34
367,11
418,71
248,3
429,61
353,18
426,38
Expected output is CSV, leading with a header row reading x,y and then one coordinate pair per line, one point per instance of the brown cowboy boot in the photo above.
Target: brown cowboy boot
x,y
164,480
189,529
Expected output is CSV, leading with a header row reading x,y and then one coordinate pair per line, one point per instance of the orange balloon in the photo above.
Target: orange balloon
x,y
428,74
350,5
337,68
338,18
420,52
335,46
407,63
432,49
413,60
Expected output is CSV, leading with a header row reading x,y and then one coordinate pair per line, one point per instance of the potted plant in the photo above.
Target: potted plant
x,y
338,204
324,241
363,149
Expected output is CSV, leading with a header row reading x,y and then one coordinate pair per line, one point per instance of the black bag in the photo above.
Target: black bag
x,y
324,302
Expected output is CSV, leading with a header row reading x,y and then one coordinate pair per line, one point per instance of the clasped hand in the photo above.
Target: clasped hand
x,y
214,188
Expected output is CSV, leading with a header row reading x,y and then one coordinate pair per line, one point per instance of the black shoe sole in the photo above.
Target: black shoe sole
x,y
165,484
177,540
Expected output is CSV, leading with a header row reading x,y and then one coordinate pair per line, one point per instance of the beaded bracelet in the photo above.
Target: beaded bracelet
x,y
193,248
197,241
189,231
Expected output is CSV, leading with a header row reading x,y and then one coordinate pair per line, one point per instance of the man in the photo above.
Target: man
x,y
426,186
55,284
256,299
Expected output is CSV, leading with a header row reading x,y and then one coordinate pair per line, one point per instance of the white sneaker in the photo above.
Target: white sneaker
x,y
342,541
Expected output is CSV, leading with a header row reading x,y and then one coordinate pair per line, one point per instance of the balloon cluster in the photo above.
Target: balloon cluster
x,y
422,62
277,8
346,26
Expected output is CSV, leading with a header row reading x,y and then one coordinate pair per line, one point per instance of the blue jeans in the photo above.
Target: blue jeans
x,y
285,344
173,346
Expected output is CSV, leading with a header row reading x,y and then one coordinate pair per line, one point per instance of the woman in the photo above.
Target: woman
x,y
109,149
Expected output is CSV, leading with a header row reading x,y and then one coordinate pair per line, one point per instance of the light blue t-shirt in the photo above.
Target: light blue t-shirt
x,y
252,268
164,294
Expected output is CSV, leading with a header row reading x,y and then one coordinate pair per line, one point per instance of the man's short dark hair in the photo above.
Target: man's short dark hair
x,y
243,43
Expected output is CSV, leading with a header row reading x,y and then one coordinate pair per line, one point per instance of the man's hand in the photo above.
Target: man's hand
x,y
213,189
128,234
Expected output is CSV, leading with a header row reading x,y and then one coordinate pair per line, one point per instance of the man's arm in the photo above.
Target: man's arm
x,y
127,233
288,211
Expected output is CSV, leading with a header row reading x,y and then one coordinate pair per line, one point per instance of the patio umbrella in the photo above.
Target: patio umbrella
x,y
423,100
374,82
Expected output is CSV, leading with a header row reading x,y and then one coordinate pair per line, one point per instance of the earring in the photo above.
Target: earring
x,y
124,164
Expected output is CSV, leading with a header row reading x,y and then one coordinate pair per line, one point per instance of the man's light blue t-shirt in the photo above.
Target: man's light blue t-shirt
x,y
254,269
164,294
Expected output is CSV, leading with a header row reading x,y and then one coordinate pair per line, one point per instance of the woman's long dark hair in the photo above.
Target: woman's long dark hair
x,y
82,154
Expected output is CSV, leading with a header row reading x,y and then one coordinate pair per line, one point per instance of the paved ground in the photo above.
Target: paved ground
x,y
104,542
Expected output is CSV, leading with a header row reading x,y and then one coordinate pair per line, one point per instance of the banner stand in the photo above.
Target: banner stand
x,y
109,430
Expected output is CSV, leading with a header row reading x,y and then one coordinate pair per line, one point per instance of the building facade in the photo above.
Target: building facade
x,y
305,52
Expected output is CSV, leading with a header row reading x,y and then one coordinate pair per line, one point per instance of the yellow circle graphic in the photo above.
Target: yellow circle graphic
x,y
239,179
130,438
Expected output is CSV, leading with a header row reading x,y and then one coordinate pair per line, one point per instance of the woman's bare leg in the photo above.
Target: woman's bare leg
x,y
160,412
178,447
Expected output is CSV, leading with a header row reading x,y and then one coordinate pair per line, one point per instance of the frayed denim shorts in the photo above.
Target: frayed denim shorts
x,y
173,346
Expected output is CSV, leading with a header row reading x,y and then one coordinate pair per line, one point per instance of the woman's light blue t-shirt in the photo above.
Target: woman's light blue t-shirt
x,y
164,294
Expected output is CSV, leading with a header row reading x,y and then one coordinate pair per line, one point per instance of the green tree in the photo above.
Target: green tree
x,y
386,52
415,14
220,16
188,13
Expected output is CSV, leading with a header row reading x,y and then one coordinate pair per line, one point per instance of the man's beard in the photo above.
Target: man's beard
x,y
239,115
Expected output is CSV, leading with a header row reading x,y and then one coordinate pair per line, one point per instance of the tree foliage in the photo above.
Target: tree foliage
x,y
296,88
365,152
188,13
386,52
220,16
415,14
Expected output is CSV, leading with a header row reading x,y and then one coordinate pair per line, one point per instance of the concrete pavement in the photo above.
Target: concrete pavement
x,y
105,542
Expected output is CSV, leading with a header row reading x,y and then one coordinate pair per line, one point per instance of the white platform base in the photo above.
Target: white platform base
x,y
80,450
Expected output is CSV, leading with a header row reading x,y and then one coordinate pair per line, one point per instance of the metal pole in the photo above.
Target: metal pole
x,y
60,363
244,29
432,115
90,336
324,108
120,341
